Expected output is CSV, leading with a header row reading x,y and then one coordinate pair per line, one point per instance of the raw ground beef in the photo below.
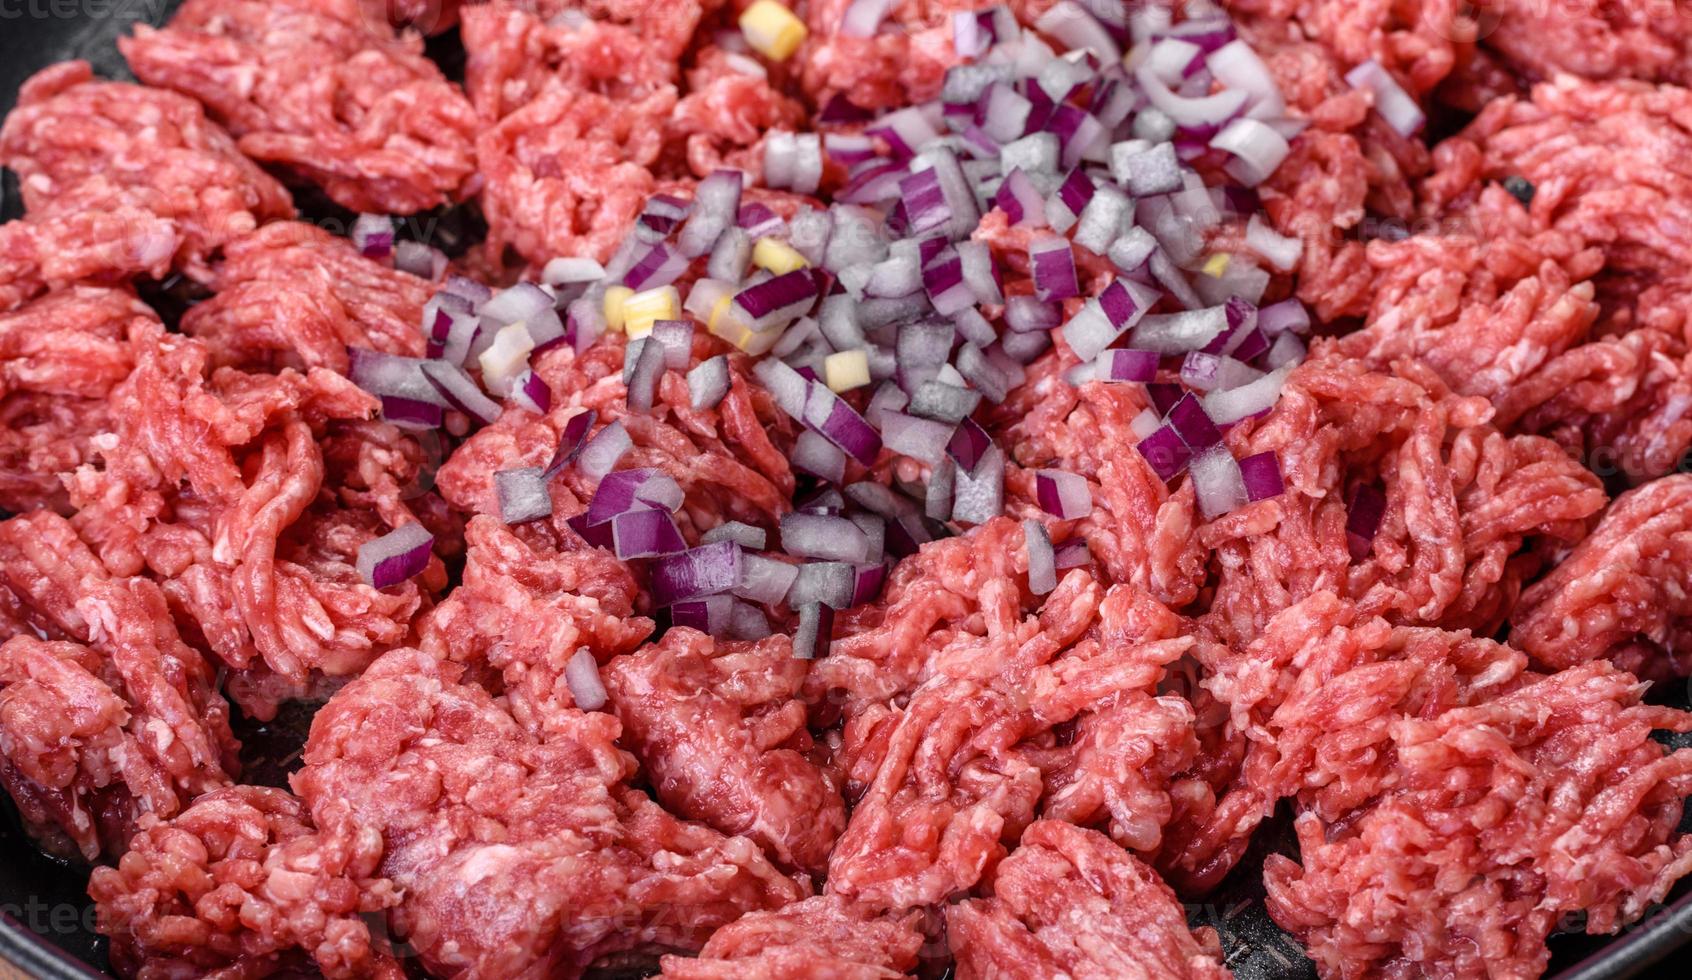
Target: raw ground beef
x,y
1470,516
1596,39
1509,819
1620,595
477,815
91,145
822,938
514,54
242,884
293,295
720,732
60,357
725,113
72,246
319,88
725,459
1068,902
125,722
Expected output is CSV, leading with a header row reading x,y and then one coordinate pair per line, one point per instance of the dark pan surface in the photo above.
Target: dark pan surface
x,y
47,929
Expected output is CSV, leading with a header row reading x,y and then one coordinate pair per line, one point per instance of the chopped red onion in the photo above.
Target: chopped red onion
x,y
658,266
602,453
1236,404
1145,423
645,534
1064,206
815,631
832,583
716,206
459,390
1072,24
519,304
597,536
944,281
973,327
709,615
582,676
1062,494
708,383
1165,452
477,293
968,445
420,260
1262,476
1287,315
867,583
1217,482
586,320
748,622
1257,150
905,130
1173,59
788,387
924,440
523,494
840,423
1126,365
1146,170
709,569
1053,265
1004,113
765,580
409,413
980,272
675,337
982,374
777,301
1103,220
745,535
824,538
943,402
565,273
887,398
819,457
758,221
937,496
1394,104
1026,314
1164,396
531,392
571,439
1108,316
1190,113
643,363
1287,349
1042,563
793,161
394,557
979,495
1071,554
1177,333
390,375
626,490
1239,68
373,236
1020,200
1190,422
926,207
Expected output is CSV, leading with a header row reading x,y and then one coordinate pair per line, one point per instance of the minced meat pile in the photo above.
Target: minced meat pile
x,y
899,486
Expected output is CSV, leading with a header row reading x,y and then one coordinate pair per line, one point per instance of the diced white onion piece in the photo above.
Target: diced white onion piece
x,y
1217,481
394,557
523,494
1257,150
708,383
1281,251
745,535
1072,24
1042,564
604,451
582,676
979,495
1235,404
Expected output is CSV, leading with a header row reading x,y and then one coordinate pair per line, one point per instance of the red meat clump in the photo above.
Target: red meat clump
x,y
107,245
1620,595
105,145
1461,502
720,732
324,89
60,356
242,883
293,295
818,937
477,815
1506,820
725,459
1069,902
124,721
1598,39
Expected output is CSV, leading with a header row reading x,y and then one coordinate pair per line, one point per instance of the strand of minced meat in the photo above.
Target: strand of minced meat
x,y
719,730
79,144
322,89
1068,902
1506,818
150,731
242,883
818,937
476,813
293,295
60,357
1596,39
1620,595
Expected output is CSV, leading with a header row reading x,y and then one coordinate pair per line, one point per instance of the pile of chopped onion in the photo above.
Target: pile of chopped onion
x,y
879,325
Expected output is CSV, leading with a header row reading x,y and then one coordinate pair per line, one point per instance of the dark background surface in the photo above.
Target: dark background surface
x,y
47,896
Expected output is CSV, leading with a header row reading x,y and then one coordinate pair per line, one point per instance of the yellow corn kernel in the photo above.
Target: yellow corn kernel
x,y
734,330
616,298
777,256
1217,264
772,30
643,309
846,370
